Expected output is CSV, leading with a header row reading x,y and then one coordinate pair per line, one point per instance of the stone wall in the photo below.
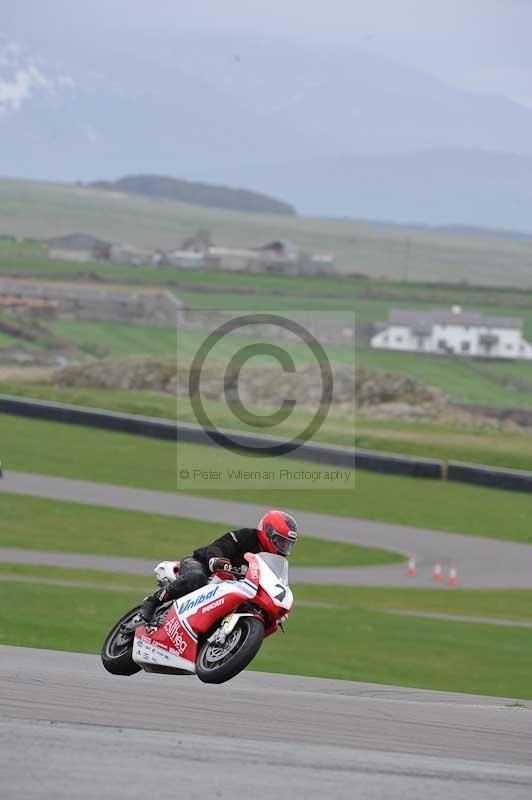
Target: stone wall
x,y
76,301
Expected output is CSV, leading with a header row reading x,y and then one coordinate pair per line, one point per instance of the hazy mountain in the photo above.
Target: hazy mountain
x,y
231,109
353,100
108,111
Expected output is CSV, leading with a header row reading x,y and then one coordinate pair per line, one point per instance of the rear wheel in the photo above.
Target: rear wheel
x,y
117,650
217,663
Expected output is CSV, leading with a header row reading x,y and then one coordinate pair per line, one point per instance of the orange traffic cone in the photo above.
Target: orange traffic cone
x,y
451,580
411,571
436,572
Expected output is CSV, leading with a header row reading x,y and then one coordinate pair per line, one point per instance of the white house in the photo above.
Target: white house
x,y
453,332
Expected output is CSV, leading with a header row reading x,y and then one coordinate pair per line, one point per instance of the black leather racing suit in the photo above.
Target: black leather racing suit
x,y
194,570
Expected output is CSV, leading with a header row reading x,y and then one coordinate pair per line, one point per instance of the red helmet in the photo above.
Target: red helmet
x,y
277,532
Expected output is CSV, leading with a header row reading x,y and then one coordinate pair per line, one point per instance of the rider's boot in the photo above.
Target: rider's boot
x,y
150,604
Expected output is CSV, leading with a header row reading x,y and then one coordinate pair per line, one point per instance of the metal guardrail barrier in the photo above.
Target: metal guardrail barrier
x,y
492,477
92,417
336,455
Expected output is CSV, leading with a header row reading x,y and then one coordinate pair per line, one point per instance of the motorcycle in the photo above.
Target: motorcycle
x,y
213,632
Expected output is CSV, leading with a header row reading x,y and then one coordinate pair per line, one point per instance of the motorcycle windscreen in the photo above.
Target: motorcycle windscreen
x,y
274,579
277,564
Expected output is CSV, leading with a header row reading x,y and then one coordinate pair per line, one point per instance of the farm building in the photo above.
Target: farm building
x,y
82,247
453,332
129,255
192,254
284,256
233,259
185,259
279,256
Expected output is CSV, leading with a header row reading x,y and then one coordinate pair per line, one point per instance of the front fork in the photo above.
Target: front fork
x,y
228,625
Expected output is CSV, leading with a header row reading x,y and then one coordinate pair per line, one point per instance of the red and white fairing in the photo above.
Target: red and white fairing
x,y
175,643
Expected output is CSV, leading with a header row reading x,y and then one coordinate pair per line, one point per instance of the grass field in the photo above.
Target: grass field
x,y
501,604
78,452
463,380
508,605
119,339
39,524
5,340
368,645
482,445
42,210
341,290
369,304
82,578
151,404
369,298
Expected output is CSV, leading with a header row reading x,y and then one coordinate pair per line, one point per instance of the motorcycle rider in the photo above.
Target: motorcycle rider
x,y
275,533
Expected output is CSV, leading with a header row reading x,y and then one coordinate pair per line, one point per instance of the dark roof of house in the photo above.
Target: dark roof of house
x,y
424,320
78,241
281,246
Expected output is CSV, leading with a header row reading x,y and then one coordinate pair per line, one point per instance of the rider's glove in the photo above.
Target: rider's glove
x,y
219,565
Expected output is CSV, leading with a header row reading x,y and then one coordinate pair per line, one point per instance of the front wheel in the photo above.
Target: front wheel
x,y
218,663
117,650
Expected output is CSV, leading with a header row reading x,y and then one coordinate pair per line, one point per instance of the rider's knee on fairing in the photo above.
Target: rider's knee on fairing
x,y
193,575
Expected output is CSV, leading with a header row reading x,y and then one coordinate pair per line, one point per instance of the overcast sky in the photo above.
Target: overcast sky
x,y
477,44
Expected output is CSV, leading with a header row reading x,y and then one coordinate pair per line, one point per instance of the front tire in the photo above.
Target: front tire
x,y
219,663
117,650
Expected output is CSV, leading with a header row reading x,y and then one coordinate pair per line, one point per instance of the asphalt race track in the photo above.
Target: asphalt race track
x,y
482,563
70,730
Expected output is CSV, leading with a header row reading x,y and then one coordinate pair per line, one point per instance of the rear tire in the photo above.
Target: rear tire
x,y
117,650
219,663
